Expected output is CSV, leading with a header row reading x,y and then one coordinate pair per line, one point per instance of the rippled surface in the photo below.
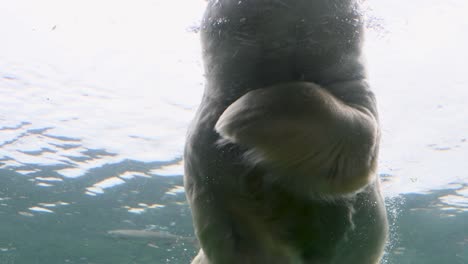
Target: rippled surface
x,y
96,97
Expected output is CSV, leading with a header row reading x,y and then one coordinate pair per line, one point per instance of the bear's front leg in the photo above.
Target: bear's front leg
x,y
313,141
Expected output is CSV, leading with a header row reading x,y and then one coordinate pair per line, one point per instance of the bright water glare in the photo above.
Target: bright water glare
x,y
96,96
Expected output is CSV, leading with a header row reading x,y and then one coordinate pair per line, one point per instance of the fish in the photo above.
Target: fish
x,y
149,235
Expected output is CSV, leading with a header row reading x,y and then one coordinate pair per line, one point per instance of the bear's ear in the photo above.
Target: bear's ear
x,y
303,132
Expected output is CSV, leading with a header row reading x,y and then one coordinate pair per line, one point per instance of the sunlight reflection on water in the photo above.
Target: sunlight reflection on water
x,y
64,100
135,101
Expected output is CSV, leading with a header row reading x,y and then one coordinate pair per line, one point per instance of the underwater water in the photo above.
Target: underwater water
x,y
96,96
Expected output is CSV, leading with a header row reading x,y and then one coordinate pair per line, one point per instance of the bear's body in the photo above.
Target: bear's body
x,y
280,159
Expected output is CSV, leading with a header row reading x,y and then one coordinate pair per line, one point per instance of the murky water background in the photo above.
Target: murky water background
x,y
96,96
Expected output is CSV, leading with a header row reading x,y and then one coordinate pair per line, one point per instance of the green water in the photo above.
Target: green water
x,y
423,229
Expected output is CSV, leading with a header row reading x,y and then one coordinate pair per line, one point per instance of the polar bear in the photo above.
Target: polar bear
x,y
280,160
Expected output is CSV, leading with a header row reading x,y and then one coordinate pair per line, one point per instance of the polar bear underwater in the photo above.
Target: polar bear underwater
x,y
280,160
